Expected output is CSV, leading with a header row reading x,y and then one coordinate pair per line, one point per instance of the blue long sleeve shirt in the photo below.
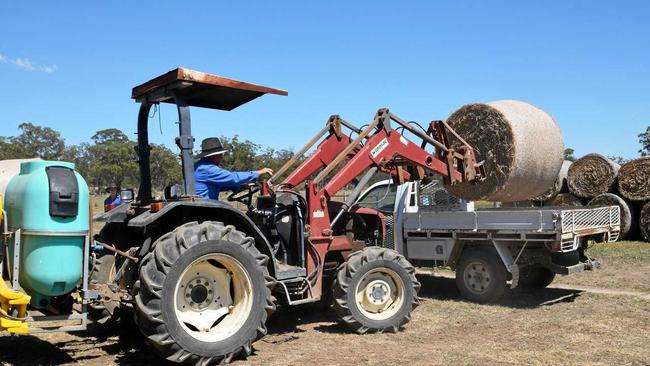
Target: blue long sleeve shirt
x,y
116,201
211,179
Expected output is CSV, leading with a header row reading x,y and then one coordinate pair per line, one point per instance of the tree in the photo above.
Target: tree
x,y
165,167
242,155
37,141
112,160
10,150
80,156
110,135
644,140
568,154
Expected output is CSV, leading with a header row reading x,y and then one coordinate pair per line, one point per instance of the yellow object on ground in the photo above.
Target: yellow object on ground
x,y
13,304
11,300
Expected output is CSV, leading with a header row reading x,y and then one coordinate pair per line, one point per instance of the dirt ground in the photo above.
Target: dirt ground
x,y
560,325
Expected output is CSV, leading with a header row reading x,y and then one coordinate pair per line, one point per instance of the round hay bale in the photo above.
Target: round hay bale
x,y
634,180
592,175
644,221
564,200
628,211
521,146
559,186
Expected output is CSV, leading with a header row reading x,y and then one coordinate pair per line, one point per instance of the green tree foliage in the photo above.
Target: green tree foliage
x,y
165,167
112,157
568,154
644,140
112,161
32,142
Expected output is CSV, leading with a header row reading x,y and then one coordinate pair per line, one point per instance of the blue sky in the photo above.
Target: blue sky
x,y
71,65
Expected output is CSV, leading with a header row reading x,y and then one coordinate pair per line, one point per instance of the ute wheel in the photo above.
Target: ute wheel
x,y
535,278
103,272
204,294
375,290
480,275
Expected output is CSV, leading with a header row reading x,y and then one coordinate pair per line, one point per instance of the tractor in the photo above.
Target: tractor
x,y
201,277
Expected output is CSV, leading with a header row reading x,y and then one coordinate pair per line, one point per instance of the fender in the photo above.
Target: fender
x,y
204,210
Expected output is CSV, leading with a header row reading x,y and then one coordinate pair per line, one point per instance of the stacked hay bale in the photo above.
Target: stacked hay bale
x,y
521,146
564,200
629,217
595,178
634,184
592,175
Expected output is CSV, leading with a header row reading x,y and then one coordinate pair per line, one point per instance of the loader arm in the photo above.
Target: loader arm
x,y
387,150
326,151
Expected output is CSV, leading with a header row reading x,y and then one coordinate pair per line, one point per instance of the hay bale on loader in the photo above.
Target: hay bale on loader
x,y
521,145
564,200
628,212
560,185
634,180
644,221
592,175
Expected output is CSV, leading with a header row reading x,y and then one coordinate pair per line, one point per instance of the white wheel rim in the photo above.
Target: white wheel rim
x,y
213,297
379,294
477,278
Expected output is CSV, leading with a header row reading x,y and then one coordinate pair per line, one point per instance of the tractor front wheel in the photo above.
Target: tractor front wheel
x,y
375,291
204,294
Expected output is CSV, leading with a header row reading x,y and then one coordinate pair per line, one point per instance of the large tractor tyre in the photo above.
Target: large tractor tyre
x,y
480,275
532,278
375,290
204,294
103,272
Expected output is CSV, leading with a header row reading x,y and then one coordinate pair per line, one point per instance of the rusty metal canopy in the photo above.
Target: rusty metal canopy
x,y
200,89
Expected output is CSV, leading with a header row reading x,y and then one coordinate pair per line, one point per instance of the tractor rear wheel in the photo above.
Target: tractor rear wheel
x,y
204,294
375,290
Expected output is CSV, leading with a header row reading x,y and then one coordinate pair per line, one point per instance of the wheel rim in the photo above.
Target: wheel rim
x,y
477,277
380,293
213,298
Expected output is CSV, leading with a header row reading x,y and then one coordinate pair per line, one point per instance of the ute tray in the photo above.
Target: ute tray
x,y
200,90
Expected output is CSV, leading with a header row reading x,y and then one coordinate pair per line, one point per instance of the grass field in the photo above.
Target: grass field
x,y
565,325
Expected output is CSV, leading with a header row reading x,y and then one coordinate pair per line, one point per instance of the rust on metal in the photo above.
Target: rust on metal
x,y
201,89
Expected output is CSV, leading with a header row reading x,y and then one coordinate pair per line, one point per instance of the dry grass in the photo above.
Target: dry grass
x,y
555,326
624,265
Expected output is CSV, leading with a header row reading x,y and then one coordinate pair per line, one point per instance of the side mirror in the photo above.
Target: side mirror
x,y
127,195
174,192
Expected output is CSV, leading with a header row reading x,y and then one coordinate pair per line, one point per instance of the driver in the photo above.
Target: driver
x,y
212,179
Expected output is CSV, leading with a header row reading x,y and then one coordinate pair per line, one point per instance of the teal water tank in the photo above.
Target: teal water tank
x,y
49,202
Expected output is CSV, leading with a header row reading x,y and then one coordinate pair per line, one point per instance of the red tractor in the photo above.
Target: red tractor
x,y
201,277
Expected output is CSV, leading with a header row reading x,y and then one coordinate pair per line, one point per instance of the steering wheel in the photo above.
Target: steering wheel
x,y
245,193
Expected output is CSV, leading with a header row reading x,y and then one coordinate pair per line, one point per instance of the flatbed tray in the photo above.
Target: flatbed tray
x,y
200,89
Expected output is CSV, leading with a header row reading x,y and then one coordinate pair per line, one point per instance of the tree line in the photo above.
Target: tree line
x,y
112,157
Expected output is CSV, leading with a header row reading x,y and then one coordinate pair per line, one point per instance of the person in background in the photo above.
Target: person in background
x,y
211,179
114,198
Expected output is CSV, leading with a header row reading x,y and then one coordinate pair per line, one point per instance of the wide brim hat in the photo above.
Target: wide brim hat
x,y
210,147
112,185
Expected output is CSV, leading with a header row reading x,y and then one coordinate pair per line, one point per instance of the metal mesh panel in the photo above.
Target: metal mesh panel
x,y
581,220
435,197
389,238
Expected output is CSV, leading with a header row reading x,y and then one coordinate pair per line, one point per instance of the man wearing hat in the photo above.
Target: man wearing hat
x,y
114,198
212,179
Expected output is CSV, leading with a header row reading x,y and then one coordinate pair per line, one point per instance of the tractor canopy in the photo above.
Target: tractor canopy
x,y
200,89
